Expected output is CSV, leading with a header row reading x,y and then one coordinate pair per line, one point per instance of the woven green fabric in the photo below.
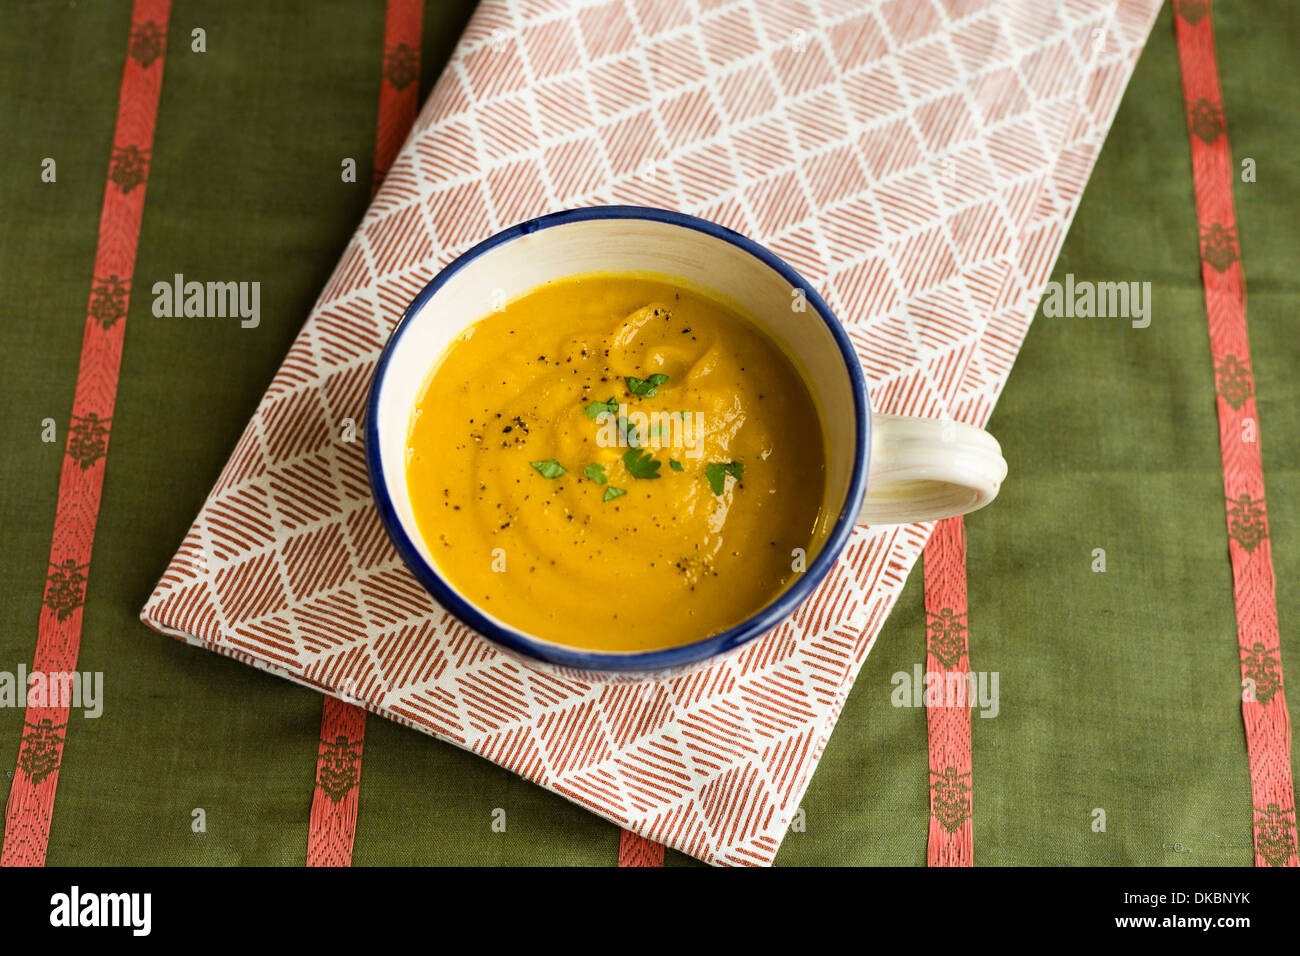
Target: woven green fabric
x,y
1119,691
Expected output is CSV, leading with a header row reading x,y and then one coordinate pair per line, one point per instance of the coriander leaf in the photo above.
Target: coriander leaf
x,y
646,387
549,468
596,409
611,493
718,471
640,464
674,464
596,473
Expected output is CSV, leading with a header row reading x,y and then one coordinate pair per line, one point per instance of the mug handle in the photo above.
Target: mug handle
x,y
923,469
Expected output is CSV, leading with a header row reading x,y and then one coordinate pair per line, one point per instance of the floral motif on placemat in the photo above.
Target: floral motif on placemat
x,y
1247,523
39,755
339,770
147,43
108,300
1193,11
1205,119
1233,381
88,439
1219,246
1261,665
65,588
128,167
950,798
947,634
401,65
1274,834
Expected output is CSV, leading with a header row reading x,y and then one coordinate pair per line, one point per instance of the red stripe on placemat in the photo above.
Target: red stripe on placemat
x,y
1268,726
948,719
333,822
636,850
81,477
399,92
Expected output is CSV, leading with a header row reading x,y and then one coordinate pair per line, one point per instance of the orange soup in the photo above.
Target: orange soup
x,y
617,463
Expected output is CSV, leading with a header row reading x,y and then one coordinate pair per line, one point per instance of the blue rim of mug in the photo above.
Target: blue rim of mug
x,y
635,662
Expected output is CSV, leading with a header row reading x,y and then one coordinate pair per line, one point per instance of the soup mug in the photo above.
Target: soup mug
x,y
880,469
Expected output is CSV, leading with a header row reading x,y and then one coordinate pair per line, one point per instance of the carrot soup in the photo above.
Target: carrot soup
x,y
617,463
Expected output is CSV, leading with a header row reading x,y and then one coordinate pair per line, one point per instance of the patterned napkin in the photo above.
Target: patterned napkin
x,y
917,160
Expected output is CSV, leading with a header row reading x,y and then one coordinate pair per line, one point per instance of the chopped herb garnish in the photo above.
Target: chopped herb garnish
x,y
674,464
640,464
718,471
596,473
549,468
629,433
646,387
596,409
611,493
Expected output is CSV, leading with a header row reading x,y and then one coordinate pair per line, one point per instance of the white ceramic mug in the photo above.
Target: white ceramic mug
x,y
882,469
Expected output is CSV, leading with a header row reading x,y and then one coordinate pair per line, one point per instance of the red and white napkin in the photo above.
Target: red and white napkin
x,y
918,161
